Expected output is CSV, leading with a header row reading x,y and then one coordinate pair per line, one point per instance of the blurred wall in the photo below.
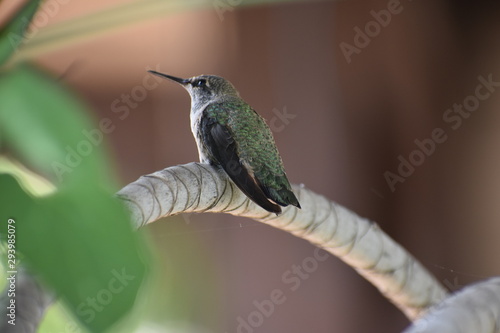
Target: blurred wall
x,y
357,100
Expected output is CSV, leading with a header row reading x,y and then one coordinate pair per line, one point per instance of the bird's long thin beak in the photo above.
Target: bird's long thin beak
x,y
170,77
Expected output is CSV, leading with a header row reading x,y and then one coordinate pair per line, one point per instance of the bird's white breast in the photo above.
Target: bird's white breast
x,y
195,117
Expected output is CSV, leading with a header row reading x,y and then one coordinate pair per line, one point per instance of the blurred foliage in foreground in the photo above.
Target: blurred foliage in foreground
x,y
76,237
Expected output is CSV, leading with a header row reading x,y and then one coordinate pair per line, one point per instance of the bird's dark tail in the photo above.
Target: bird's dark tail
x,y
283,197
252,190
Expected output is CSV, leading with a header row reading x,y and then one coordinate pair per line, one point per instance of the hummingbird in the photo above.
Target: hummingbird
x,y
231,135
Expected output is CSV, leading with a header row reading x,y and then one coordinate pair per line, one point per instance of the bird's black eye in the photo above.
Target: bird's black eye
x,y
200,83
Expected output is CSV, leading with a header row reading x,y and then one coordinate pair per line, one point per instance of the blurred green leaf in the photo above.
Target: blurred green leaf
x,y
81,243
12,34
30,181
15,203
58,319
101,268
44,125
79,239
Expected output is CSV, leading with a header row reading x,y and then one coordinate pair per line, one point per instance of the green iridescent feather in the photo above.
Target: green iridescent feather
x,y
254,141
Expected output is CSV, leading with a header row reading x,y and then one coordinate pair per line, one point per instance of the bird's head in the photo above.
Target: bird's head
x,y
203,88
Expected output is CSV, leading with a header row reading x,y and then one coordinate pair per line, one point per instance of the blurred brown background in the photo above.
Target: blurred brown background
x,y
352,119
